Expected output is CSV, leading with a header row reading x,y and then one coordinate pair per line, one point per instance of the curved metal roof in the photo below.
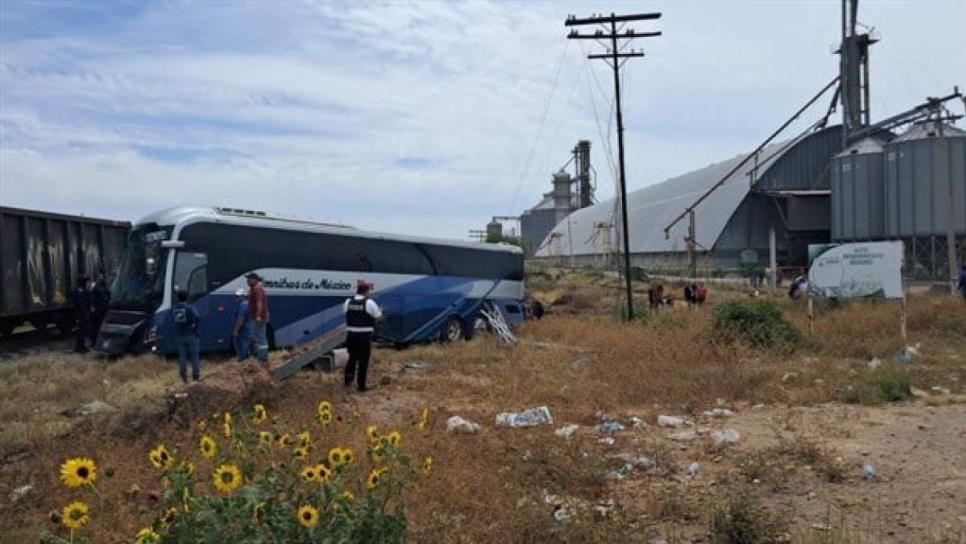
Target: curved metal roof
x,y
651,208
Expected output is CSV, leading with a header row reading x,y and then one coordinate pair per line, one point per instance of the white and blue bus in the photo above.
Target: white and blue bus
x,y
430,289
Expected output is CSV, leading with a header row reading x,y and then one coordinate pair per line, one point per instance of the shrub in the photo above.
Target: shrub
x,y
888,383
741,520
758,322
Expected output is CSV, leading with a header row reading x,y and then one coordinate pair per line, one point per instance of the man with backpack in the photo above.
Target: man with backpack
x,y
185,319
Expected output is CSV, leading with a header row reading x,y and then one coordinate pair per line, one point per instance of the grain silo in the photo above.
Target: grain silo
x,y
925,173
858,191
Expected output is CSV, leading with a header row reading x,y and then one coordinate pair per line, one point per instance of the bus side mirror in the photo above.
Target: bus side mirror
x,y
172,244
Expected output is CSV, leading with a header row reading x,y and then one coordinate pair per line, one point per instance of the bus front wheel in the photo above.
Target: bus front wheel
x,y
453,330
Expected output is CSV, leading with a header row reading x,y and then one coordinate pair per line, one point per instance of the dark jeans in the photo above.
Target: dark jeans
x,y
189,346
97,318
360,346
83,331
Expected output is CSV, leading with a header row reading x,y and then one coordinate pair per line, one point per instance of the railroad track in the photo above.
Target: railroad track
x,y
29,341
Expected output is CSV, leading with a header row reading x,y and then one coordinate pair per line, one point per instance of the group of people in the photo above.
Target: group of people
x,y
250,326
90,302
695,293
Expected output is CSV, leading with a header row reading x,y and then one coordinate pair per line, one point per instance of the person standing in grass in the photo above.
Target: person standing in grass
x,y
100,302
962,281
361,314
185,319
80,300
258,315
241,335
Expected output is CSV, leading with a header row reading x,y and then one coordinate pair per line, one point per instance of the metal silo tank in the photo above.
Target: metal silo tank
x,y
858,193
916,197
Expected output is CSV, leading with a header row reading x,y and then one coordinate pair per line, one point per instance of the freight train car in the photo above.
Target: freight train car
x,y
41,256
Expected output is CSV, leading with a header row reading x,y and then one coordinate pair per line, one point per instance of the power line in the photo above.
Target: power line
x,y
543,119
616,58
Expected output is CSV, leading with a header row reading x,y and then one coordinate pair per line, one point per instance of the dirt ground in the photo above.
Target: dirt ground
x,y
800,451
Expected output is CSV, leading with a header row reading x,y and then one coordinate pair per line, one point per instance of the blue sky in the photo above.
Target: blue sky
x,y
420,117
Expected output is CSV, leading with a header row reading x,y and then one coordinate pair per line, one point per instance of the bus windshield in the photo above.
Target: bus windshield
x,y
140,280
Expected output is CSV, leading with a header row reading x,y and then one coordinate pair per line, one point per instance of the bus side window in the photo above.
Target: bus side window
x,y
191,274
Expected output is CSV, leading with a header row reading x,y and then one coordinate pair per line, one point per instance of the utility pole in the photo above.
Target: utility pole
x,y
616,59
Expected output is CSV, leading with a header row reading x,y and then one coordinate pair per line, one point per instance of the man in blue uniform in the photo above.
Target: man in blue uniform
x,y
241,335
100,302
185,318
361,314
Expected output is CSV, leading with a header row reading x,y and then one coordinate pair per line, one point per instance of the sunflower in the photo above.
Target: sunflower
x,y
310,474
308,516
283,440
146,536
226,478
336,457
323,472
160,457
347,456
324,407
301,453
394,438
325,418
168,517
347,495
259,415
374,478
377,453
75,515
304,438
226,426
373,433
265,438
188,467
208,447
78,471
427,466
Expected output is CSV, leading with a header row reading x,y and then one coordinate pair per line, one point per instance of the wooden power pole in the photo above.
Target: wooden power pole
x,y
609,31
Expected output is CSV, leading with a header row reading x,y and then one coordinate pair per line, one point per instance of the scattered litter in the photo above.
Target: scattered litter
x,y
719,413
868,472
608,426
526,418
567,431
908,354
456,424
758,407
638,422
789,376
620,472
671,421
875,363
940,390
693,469
561,514
722,437
607,441
19,493
417,365
756,481
604,507
638,461
916,392
89,408
684,435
